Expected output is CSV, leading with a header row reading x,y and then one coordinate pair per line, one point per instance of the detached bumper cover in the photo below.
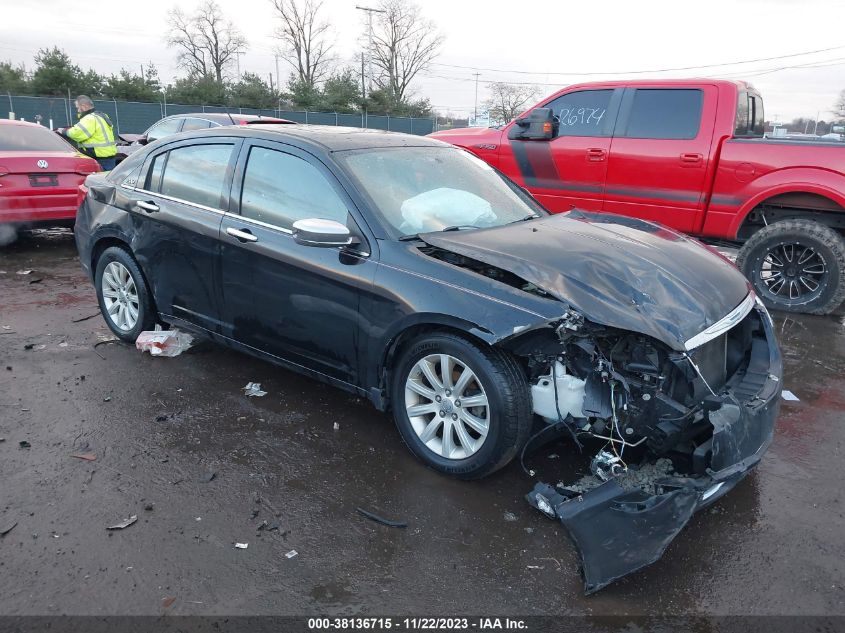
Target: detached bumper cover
x,y
619,531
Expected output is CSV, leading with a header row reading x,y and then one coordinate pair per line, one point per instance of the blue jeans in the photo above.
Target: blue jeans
x,y
107,163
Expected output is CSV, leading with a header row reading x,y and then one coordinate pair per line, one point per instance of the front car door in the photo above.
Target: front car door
x,y
181,197
660,155
569,171
298,303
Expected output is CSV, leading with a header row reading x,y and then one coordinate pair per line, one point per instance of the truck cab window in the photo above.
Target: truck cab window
x,y
582,113
664,114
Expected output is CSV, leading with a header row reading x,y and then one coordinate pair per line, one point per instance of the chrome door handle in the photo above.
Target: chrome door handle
x,y
149,207
243,236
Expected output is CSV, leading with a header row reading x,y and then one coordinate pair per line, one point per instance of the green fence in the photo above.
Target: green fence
x,y
132,117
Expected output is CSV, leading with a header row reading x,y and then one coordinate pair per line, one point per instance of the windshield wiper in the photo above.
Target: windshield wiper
x,y
459,227
456,227
525,219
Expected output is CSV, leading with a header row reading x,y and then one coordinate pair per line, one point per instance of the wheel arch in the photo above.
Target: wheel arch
x,y
416,326
108,240
822,201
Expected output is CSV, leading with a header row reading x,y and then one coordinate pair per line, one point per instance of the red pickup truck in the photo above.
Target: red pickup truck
x,y
689,154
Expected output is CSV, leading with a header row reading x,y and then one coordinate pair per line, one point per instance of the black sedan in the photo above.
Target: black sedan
x,y
413,274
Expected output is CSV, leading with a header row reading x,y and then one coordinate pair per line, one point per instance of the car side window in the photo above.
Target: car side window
x,y
665,114
279,189
582,113
193,173
195,124
163,128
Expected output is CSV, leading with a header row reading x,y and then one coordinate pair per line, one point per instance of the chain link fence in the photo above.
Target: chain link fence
x,y
132,117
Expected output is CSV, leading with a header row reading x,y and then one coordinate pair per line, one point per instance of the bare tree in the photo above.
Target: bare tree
x,y
304,39
207,41
506,100
404,44
839,106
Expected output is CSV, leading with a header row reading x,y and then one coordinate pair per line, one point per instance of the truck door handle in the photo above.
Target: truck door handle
x,y
244,235
596,154
149,207
692,159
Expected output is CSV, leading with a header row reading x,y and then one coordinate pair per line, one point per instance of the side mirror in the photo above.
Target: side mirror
x,y
539,125
322,233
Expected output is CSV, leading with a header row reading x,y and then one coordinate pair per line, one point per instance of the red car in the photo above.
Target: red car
x,y
689,154
40,174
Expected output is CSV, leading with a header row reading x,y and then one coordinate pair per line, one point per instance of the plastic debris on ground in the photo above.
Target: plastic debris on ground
x,y
253,389
378,519
789,396
88,457
24,272
123,524
167,343
291,554
4,530
241,545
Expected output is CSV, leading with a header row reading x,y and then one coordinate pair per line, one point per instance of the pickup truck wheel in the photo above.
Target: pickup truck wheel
x,y
796,266
463,409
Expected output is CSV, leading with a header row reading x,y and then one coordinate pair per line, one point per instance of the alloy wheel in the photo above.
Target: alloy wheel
x,y
120,296
793,271
447,406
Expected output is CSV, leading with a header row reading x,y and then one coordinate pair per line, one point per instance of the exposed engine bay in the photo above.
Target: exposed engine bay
x,y
661,418
634,392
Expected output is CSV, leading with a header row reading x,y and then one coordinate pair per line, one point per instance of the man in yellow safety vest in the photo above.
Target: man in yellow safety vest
x,y
93,133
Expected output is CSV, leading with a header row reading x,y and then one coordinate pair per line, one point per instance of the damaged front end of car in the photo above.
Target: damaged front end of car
x,y
662,357
679,427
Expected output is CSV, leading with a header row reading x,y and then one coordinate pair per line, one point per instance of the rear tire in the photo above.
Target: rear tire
x,y
123,295
486,430
796,266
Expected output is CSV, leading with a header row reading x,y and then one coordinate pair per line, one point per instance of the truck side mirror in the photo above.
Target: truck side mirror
x,y
538,125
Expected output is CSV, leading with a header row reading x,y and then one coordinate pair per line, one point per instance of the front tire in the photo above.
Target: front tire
x,y
796,266
463,409
123,294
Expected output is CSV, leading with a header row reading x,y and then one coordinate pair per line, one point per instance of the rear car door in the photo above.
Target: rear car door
x,y
182,200
660,155
299,303
570,170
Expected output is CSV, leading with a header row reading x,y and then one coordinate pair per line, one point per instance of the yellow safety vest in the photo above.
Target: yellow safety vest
x,y
93,133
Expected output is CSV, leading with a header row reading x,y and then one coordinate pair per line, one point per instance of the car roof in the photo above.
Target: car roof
x,y
17,122
329,138
224,118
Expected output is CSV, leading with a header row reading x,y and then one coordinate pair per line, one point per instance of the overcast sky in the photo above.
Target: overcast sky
x,y
532,41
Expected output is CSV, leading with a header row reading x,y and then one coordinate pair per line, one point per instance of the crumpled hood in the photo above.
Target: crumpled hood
x,y
616,271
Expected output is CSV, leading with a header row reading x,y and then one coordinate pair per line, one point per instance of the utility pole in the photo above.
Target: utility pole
x,y
370,11
238,61
278,81
363,84
475,109
816,126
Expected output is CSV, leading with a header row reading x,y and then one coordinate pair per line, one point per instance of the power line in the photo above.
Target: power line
x,y
752,72
640,72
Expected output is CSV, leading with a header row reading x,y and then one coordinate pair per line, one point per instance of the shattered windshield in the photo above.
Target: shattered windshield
x,y
425,189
